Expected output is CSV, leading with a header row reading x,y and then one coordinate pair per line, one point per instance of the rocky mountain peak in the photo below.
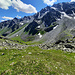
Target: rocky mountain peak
x,y
50,19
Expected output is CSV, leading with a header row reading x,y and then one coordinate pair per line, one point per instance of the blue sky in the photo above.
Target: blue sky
x,y
20,8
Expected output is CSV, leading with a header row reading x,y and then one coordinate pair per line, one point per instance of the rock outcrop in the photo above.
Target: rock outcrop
x,y
68,46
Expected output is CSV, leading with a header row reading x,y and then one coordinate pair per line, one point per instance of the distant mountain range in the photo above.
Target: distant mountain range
x,y
50,24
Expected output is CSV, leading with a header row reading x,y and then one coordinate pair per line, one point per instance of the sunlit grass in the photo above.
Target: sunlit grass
x,y
35,61
18,38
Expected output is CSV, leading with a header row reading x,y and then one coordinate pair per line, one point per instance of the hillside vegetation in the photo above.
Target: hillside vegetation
x,y
35,61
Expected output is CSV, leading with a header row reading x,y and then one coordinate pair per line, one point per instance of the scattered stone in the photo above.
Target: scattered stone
x,y
38,53
59,41
1,37
29,53
12,63
2,53
22,56
66,45
67,41
56,67
69,46
1,48
5,48
73,51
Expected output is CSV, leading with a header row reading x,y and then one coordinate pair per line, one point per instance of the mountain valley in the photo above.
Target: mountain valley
x,y
41,44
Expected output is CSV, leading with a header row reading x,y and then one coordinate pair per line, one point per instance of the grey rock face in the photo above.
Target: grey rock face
x,y
60,45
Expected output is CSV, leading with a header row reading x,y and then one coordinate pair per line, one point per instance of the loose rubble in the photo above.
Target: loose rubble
x,y
11,45
66,45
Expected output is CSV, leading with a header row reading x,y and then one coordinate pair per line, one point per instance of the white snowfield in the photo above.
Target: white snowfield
x,y
55,27
74,17
40,36
21,23
38,27
58,19
54,8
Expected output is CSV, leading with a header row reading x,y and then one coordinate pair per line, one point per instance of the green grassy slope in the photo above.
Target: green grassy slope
x,y
18,38
18,30
3,30
35,61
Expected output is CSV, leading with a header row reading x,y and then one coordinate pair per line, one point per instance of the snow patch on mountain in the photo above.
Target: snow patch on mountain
x,y
74,17
55,27
58,19
40,36
54,8
21,23
73,12
63,14
38,27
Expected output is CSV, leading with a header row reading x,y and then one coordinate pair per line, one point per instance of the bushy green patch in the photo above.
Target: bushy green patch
x,y
26,32
35,61
28,41
34,43
41,32
18,39
30,38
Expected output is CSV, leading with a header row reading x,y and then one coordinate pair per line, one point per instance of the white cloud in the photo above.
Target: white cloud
x,y
18,5
6,18
18,16
72,0
9,18
4,4
3,20
49,2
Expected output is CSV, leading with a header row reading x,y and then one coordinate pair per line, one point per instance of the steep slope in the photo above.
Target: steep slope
x,y
65,30
14,24
17,32
50,21
53,20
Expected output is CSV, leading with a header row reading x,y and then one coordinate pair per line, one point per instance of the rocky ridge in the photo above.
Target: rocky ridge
x,y
67,45
10,44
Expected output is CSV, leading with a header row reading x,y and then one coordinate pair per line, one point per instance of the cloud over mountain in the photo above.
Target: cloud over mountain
x,y
72,0
6,18
18,5
49,2
18,16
